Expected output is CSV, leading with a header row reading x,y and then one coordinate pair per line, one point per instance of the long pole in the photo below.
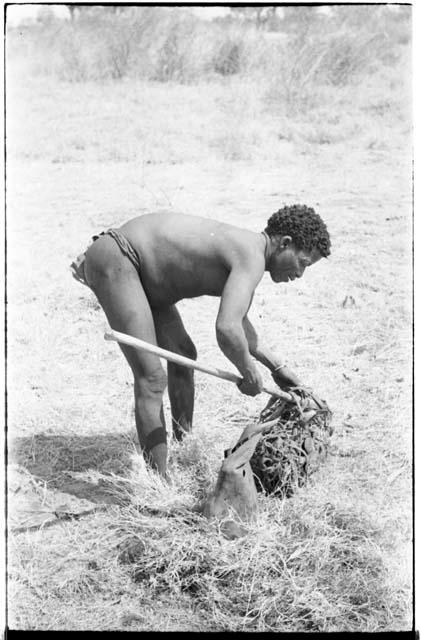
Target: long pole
x,y
131,341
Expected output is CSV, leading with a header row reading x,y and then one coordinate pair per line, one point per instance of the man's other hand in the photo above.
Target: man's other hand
x,y
285,378
251,384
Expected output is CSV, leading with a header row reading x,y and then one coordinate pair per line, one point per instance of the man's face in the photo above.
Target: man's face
x,y
288,262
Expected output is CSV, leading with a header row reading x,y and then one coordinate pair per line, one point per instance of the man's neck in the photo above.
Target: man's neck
x,y
267,248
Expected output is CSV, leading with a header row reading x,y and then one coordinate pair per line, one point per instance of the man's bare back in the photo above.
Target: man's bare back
x,y
186,256
139,271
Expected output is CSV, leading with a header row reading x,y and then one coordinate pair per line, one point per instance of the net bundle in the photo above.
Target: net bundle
x,y
291,450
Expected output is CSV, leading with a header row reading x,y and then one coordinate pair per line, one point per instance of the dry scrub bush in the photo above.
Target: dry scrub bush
x,y
318,55
306,67
170,44
228,57
95,50
75,65
171,53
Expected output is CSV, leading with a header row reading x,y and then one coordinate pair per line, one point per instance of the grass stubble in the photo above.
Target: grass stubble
x,y
314,562
322,560
337,555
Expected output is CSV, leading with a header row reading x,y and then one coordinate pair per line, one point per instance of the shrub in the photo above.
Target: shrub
x,y
171,44
171,59
74,67
227,60
117,44
349,56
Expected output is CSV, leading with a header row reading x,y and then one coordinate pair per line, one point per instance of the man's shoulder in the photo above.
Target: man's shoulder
x,y
246,249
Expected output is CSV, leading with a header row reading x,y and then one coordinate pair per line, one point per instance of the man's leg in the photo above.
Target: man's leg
x,y
119,290
172,335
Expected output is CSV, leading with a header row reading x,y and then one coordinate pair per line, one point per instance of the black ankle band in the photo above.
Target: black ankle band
x,y
157,436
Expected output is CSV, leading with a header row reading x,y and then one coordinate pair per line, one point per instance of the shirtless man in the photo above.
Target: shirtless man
x,y
139,271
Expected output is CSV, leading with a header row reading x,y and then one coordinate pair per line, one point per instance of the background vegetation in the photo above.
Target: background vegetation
x,y
120,111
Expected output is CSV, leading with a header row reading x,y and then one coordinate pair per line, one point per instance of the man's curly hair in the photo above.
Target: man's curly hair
x,y
304,225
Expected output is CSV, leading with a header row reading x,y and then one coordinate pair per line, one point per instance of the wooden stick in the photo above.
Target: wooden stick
x,y
185,362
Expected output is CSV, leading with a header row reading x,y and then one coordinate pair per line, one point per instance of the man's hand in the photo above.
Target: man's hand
x,y
251,384
285,378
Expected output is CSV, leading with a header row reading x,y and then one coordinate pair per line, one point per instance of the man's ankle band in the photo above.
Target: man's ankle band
x,y
157,436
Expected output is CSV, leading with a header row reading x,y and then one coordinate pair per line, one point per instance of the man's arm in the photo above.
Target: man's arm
x,y
235,302
283,376
257,349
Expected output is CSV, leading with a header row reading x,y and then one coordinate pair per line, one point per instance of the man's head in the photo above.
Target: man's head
x,y
298,238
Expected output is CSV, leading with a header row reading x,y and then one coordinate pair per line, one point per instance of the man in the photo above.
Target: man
x,y
139,271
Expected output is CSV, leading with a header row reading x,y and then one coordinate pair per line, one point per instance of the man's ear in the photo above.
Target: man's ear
x,y
285,241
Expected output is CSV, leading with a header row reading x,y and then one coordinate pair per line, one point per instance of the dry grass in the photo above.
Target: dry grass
x,y
336,556
317,562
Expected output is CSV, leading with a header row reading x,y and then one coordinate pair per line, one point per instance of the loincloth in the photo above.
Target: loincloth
x,y
78,265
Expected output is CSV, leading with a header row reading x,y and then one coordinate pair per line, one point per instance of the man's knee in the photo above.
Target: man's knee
x,y
152,384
